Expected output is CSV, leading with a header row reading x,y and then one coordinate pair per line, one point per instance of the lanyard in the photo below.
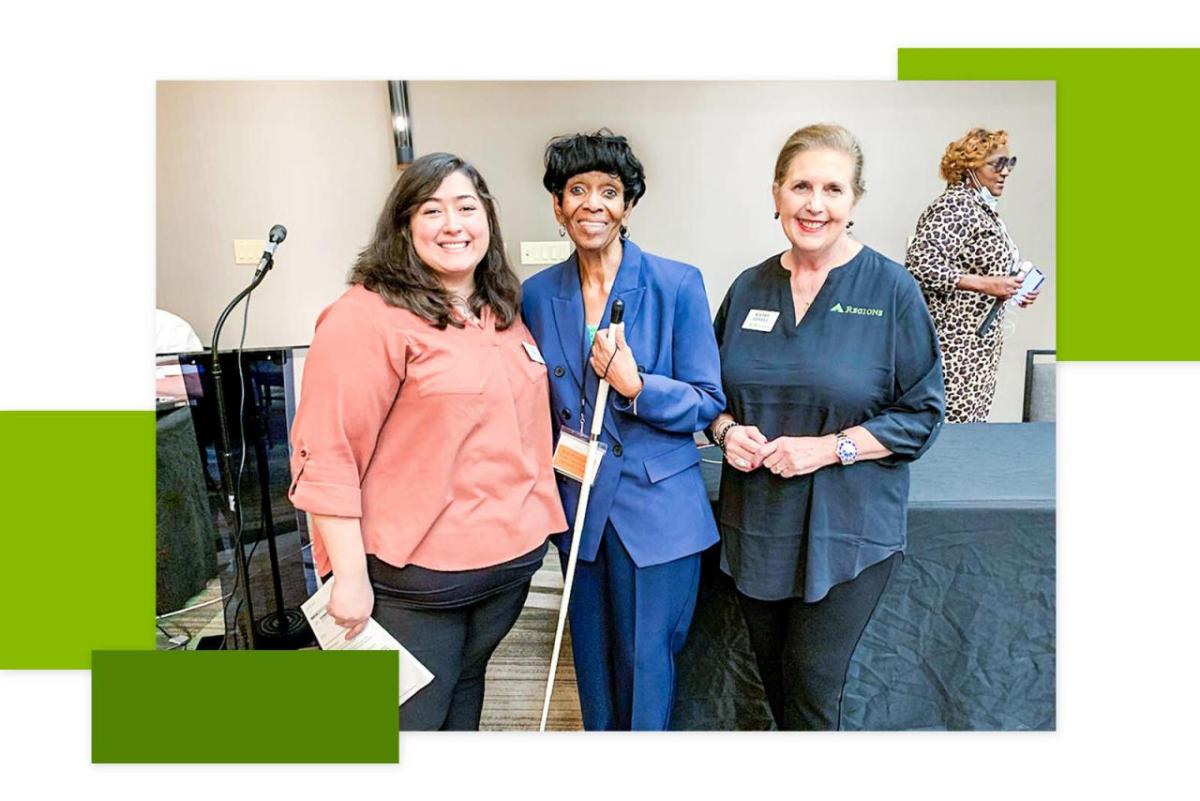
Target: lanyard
x,y
1016,259
1013,268
587,346
583,365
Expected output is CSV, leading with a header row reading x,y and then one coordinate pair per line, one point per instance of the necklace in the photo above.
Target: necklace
x,y
463,309
802,306
805,296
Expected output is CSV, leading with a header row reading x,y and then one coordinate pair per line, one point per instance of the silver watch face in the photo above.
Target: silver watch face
x,y
846,451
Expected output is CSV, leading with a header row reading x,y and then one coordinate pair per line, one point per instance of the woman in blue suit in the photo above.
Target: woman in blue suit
x,y
648,515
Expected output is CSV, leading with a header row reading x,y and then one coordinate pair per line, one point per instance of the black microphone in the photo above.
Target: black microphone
x,y
277,234
618,312
988,321
998,304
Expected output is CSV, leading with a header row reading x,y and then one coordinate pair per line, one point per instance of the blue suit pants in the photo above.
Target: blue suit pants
x,y
627,625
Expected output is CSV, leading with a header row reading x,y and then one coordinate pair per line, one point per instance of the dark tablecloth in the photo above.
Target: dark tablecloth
x,y
963,637
186,536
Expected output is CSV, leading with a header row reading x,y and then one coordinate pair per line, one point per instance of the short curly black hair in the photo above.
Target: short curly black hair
x,y
602,151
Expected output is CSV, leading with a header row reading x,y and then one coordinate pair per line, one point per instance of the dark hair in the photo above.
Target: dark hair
x,y
602,151
390,266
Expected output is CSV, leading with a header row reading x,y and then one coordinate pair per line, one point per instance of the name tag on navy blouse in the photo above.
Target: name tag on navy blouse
x,y
760,320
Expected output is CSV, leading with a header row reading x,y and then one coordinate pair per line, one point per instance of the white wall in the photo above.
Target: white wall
x,y
708,148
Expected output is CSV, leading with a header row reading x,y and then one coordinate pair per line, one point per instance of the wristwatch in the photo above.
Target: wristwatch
x,y
846,450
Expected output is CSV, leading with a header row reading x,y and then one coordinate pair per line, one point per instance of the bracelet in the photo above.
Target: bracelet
x,y
719,436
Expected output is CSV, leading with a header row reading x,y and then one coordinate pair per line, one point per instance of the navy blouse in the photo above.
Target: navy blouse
x,y
866,354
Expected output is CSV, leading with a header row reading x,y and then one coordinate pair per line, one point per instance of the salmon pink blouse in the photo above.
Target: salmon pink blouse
x,y
438,440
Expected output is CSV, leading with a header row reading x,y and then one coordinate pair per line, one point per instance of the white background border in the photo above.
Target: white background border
x,y
77,219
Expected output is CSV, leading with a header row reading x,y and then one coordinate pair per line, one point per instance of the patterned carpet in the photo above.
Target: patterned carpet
x,y
516,677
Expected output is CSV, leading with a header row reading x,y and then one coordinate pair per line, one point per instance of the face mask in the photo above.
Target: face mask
x,y
989,200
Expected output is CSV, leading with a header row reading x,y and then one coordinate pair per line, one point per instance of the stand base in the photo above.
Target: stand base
x,y
283,631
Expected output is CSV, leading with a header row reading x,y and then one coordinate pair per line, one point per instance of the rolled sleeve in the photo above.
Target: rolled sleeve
x,y
689,399
320,497
352,374
932,255
910,423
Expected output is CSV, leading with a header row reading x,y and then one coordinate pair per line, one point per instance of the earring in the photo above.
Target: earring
x,y
777,215
849,225
624,232
561,232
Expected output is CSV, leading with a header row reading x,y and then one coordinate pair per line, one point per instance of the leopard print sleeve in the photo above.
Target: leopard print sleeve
x,y
933,255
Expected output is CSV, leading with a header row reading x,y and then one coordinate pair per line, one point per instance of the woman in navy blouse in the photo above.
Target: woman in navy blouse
x,y
830,365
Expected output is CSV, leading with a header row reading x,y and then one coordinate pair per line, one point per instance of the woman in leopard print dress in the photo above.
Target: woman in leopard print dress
x,y
963,257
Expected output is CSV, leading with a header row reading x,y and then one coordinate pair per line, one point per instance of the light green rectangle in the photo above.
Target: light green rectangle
x,y
1127,272
78,534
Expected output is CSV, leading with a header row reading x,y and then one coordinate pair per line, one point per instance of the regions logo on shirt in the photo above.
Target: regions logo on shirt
x,y
848,309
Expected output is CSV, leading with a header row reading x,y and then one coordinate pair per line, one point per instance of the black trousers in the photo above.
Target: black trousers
x,y
455,644
451,621
803,649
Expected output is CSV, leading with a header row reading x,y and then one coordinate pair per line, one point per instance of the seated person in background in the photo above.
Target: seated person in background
x,y
173,334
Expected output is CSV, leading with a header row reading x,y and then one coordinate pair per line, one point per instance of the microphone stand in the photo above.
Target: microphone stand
x,y
593,451
282,628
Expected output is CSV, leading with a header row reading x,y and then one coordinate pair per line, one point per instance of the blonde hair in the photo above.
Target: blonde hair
x,y
970,152
828,136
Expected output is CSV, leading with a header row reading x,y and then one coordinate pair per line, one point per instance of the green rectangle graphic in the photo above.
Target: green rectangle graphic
x,y
245,706
79,532
1127,270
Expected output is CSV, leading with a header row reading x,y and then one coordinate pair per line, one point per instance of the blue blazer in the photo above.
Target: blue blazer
x,y
649,484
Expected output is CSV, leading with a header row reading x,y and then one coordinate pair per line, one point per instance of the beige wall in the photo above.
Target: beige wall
x,y
236,157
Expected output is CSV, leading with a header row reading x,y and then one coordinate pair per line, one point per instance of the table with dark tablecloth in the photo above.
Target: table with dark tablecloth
x,y
185,533
963,637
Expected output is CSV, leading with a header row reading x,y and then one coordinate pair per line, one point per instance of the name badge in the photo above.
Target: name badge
x,y
570,456
760,320
533,353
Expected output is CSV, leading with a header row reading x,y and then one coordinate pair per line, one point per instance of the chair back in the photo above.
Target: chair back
x,y
1039,386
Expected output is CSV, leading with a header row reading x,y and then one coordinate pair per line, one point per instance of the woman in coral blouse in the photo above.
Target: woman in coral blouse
x,y
421,446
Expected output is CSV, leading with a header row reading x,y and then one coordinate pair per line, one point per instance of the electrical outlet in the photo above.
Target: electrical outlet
x,y
248,251
533,253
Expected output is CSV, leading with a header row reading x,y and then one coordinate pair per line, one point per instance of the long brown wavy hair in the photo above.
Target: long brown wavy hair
x,y
390,266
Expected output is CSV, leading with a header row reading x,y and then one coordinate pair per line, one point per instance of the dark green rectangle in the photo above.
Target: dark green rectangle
x,y
245,706
1127,273
78,534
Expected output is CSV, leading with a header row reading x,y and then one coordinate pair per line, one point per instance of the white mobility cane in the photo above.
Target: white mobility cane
x,y
618,313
